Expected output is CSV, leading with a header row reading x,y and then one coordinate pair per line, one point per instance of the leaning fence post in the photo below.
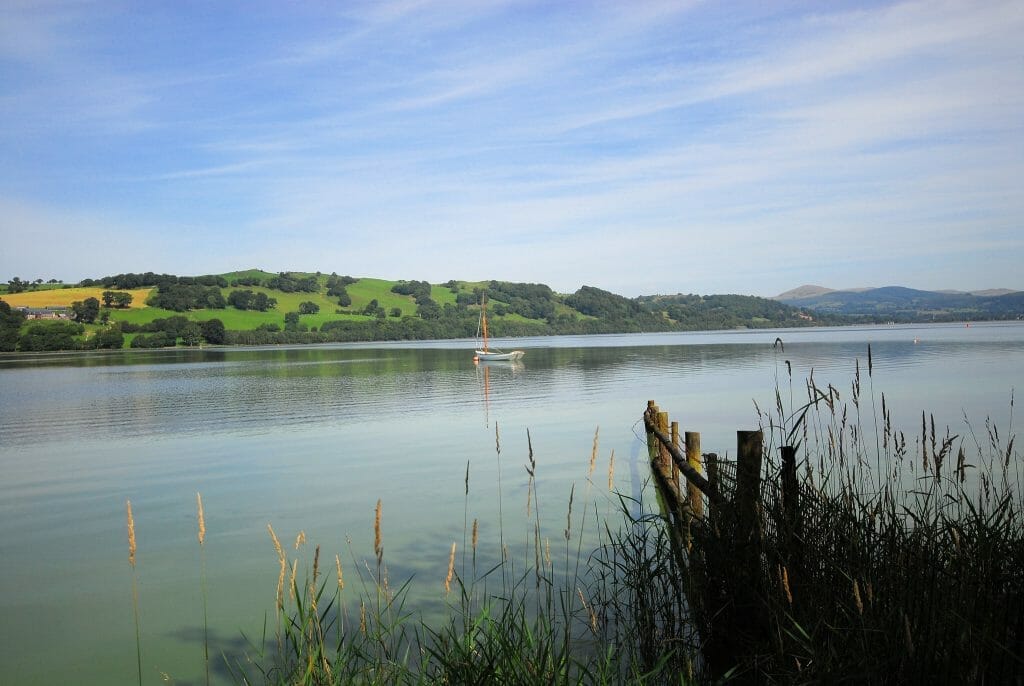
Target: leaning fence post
x,y
693,457
675,469
652,441
660,459
664,458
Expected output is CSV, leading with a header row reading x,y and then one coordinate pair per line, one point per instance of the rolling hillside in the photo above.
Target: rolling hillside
x,y
897,303
258,307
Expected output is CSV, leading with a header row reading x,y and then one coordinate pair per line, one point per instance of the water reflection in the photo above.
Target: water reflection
x,y
310,437
60,397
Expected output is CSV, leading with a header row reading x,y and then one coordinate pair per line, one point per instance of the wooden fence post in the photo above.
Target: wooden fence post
x,y
664,457
675,469
792,536
652,441
693,457
747,511
790,494
748,481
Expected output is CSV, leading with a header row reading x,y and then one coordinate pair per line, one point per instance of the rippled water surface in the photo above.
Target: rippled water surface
x,y
308,438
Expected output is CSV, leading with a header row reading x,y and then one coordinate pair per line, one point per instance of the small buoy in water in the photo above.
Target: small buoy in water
x,y
917,340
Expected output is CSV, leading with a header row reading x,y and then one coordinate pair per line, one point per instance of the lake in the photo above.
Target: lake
x,y
309,438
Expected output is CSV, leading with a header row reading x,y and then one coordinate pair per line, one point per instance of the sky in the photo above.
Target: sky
x,y
639,147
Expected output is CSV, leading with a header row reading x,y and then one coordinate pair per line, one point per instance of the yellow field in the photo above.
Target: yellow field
x,y
63,297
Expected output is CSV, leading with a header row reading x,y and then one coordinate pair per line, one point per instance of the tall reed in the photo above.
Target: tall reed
x,y
201,522
135,587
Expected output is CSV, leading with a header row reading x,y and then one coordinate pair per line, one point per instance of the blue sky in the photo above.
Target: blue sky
x,y
641,147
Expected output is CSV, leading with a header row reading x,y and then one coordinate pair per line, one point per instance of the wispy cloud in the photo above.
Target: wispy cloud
x,y
569,136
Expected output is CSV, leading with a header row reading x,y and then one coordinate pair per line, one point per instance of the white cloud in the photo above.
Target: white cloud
x,y
428,137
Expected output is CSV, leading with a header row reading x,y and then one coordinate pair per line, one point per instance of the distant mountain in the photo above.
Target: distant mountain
x,y
896,303
805,291
983,293
809,291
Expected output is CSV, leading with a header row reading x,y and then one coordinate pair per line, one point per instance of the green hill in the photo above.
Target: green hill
x,y
254,307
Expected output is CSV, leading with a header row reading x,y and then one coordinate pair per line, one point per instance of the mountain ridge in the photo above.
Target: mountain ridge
x,y
899,303
813,291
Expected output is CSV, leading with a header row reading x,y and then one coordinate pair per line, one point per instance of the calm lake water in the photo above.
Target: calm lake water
x,y
309,438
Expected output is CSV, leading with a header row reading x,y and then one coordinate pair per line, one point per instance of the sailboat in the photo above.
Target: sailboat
x,y
485,354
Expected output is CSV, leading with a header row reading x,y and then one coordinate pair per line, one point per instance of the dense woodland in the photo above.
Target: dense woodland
x,y
198,306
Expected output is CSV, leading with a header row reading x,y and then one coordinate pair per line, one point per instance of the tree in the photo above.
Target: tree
x,y
396,311
51,336
86,310
262,303
308,307
191,334
161,339
241,300
118,299
213,299
108,339
247,300
10,326
429,309
16,285
292,323
213,331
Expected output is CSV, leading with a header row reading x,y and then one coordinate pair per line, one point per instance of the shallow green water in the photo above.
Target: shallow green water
x,y
308,438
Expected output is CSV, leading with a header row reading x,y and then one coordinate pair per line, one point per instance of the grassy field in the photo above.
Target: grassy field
x,y
362,292
65,296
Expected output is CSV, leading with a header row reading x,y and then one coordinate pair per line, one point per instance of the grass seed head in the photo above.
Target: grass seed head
x,y
451,571
131,534
378,539
202,520
611,472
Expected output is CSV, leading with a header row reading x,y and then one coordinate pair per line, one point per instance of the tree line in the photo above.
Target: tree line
x,y
540,311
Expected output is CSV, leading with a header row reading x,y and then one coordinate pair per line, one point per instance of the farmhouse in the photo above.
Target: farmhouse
x,y
45,312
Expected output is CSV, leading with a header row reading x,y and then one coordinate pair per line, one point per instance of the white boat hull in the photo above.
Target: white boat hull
x,y
482,356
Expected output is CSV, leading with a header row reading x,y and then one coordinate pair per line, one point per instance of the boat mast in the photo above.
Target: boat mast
x,y
483,318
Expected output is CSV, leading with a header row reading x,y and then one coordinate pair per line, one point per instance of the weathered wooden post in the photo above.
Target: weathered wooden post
x,y
693,458
790,494
651,414
748,483
660,458
747,513
664,457
792,535
675,469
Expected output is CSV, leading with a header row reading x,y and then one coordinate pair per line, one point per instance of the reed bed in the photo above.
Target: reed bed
x,y
903,563
902,560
